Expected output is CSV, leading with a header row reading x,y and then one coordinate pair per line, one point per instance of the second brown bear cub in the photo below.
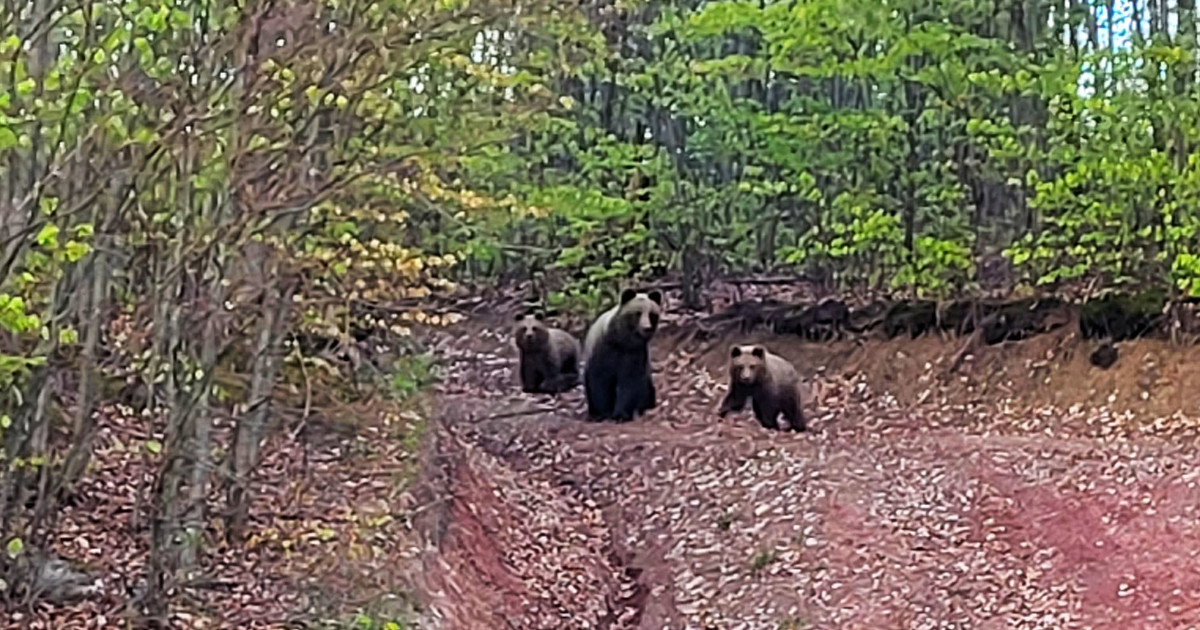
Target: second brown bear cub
x,y
549,356
769,382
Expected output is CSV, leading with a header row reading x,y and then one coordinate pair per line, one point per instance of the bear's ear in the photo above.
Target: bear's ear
x,y
759,352
655,296
628,294
735,352
520,316
539,316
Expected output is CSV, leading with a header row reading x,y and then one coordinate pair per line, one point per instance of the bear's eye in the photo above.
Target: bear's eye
x,y
654,319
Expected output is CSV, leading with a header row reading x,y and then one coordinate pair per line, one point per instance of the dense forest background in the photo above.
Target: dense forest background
x,y
197,188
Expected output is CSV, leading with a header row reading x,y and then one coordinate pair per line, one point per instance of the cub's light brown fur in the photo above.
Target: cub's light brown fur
x,y
769,382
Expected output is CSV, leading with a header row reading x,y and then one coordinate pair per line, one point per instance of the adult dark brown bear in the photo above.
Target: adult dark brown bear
x,y
549,356
769,381
616,354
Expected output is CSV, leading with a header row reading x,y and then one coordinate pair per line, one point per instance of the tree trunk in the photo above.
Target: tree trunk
x,y
251,426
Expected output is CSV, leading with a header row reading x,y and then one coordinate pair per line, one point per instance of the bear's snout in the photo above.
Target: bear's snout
x,y
744,375
527,338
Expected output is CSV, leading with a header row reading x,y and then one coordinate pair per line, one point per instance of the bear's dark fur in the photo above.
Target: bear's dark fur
x,y
769,382
616,372
549,356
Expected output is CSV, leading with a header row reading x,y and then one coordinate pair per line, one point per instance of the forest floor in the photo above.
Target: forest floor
x,y
328,542
1023,489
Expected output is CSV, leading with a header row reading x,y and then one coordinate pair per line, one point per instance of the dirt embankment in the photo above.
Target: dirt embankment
x,y
1024,488
1153,378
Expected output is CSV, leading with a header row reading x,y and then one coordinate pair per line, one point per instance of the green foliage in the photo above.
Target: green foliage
x,y
223,177
14,548
13,316
885,144
363,622
858,233
938,266
762,559
794,623
410,374
203,168
378,151
366,621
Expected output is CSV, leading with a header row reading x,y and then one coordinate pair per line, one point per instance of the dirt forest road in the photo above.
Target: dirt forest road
x,y
917,512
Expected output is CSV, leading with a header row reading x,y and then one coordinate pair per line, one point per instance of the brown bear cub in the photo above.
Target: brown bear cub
x,y
549,356
769,381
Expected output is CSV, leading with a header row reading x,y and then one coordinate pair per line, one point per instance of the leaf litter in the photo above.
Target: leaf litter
x,y
327,531
917,500
942,508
